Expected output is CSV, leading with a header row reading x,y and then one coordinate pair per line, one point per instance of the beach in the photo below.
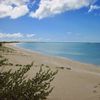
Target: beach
x,y
74,80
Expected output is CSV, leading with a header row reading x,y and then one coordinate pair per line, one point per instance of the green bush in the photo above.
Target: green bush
x,y
5,49
16,85
0,44
3,61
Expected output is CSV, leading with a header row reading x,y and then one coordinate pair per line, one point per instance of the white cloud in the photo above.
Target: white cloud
x,y
94,7
17,8
8,35
16,35
19,11
4,10
21,37
52,7
30,35
13,8
15,2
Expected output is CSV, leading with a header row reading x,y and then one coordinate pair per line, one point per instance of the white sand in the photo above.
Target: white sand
x,y
82,82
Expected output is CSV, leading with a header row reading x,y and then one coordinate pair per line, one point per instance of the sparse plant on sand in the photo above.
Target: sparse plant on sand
x,y
16,85
4,49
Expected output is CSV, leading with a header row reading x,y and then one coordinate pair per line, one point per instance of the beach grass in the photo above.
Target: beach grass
x,y
4,49
14,85
74,81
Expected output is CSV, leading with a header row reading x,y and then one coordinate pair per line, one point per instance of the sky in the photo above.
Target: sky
x,y
50,20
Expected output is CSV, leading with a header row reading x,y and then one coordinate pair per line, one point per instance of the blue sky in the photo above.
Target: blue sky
x,y
57,20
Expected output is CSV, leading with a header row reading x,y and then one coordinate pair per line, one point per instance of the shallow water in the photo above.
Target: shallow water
x,y
83,52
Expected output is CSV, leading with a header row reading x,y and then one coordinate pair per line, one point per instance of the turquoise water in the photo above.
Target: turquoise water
x,y
83,52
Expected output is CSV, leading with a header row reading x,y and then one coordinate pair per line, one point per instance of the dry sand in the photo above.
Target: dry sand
x,y
74,81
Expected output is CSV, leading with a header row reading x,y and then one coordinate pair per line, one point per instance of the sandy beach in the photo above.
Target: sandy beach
x,y
74,81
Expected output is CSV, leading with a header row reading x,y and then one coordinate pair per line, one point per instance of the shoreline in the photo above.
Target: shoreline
x,y
74,81
60,62
15,46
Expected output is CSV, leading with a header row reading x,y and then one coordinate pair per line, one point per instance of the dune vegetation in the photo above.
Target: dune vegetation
x,y
14,85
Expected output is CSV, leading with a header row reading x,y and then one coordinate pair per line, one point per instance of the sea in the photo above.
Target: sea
x,y
83,52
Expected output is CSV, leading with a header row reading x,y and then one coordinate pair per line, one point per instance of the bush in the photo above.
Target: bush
x,y
0,44
15,86
3,61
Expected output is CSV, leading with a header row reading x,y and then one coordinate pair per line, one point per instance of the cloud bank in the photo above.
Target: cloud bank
x,y
17,8
53,7
20,36
16,35
13,8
